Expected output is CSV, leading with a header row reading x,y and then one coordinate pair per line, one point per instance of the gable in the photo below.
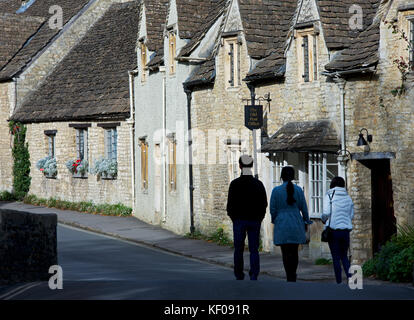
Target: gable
x,y
233,22
308,11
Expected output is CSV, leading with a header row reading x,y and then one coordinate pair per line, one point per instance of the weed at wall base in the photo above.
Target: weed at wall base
x,y
88,207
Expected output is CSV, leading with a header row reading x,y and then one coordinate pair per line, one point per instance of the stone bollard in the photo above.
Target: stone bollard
x,y
28,246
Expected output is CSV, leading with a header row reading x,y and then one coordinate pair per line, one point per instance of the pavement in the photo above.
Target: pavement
x,y
134,230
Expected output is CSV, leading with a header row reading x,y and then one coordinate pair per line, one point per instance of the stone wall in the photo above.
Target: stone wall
x,y
214,109
28,246
368,104
67,187
6,159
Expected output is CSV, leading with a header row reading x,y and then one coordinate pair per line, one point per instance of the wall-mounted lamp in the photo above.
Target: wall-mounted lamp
x,y
361,140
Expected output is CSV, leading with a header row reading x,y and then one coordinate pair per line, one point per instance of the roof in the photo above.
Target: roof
x,y
190,13
14,32
266,24
91,82
362,53
306,136
44,34
203,74
335,16
273,66
216,10
156,14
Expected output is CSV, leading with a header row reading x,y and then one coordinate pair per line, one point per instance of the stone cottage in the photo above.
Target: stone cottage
x,y
79,119
29,48
329,74
163,176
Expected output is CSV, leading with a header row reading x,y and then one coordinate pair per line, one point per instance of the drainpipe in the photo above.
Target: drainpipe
x,y
163,150
341,85
131,123
190,156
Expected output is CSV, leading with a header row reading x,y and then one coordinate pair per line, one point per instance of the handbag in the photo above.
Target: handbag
x,y
327,233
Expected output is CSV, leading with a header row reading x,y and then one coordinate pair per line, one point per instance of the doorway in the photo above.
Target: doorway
x,y
382,203
383,219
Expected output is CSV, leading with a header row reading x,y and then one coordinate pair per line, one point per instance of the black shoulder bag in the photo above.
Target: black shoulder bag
x,y
327,233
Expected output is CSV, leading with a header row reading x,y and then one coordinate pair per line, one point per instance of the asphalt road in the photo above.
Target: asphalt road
x,y
99,267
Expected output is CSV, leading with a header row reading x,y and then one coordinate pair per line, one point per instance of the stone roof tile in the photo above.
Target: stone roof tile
x,y
91,82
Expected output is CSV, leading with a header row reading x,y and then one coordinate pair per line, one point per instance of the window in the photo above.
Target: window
x,y
144,164
172,163
51,135
231,62
111,144
233,156
280,160
411,24
143,48
322,168
172,49
82,144
307,48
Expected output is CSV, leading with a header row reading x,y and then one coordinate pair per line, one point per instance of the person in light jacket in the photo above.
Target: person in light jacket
x,y
286,204
339,219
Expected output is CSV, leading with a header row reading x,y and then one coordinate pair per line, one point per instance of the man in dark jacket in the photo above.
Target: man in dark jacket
x,y
246,206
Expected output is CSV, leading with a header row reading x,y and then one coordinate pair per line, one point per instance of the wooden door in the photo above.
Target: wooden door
x,y
383,219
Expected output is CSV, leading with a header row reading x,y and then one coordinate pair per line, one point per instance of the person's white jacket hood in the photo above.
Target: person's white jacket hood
x,y
342,209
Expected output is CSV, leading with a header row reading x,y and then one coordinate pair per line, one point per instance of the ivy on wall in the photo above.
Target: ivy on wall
x,y
21,157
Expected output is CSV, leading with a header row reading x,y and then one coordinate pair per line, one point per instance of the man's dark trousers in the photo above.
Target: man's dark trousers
x,y
252,228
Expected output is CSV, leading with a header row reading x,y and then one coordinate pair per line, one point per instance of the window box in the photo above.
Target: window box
x,y
105,169
78,168
48,167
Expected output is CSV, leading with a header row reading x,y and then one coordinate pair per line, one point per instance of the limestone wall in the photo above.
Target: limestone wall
x,y
67,187
6,159
28,246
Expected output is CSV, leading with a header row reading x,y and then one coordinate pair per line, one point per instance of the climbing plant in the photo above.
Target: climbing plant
x,y
21,157
404,66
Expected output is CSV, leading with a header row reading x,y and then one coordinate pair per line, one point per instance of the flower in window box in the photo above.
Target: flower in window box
x,y
47,166
77,166
105,168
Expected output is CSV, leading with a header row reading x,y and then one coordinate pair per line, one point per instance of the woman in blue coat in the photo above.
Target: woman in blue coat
x,y
286,204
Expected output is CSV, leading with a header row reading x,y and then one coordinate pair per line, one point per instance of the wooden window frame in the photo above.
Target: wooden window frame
x,y
144,164
172,164
307,54
172,48
51,136
111,148
411,41
143,53
231,62
84,133
318,177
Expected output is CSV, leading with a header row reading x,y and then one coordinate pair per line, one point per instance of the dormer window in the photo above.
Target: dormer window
x,y
172,44
143,50
307,53
231,62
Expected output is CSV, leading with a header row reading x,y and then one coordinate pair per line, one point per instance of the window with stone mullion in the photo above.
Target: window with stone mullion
x,y
412,44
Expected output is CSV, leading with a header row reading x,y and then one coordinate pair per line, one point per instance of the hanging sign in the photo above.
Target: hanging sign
x,y
253,117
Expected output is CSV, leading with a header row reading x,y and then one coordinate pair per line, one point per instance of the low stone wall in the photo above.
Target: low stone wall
x,y
28,246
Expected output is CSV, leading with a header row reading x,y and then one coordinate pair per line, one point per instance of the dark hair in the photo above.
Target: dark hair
x,y
287,175
337,182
